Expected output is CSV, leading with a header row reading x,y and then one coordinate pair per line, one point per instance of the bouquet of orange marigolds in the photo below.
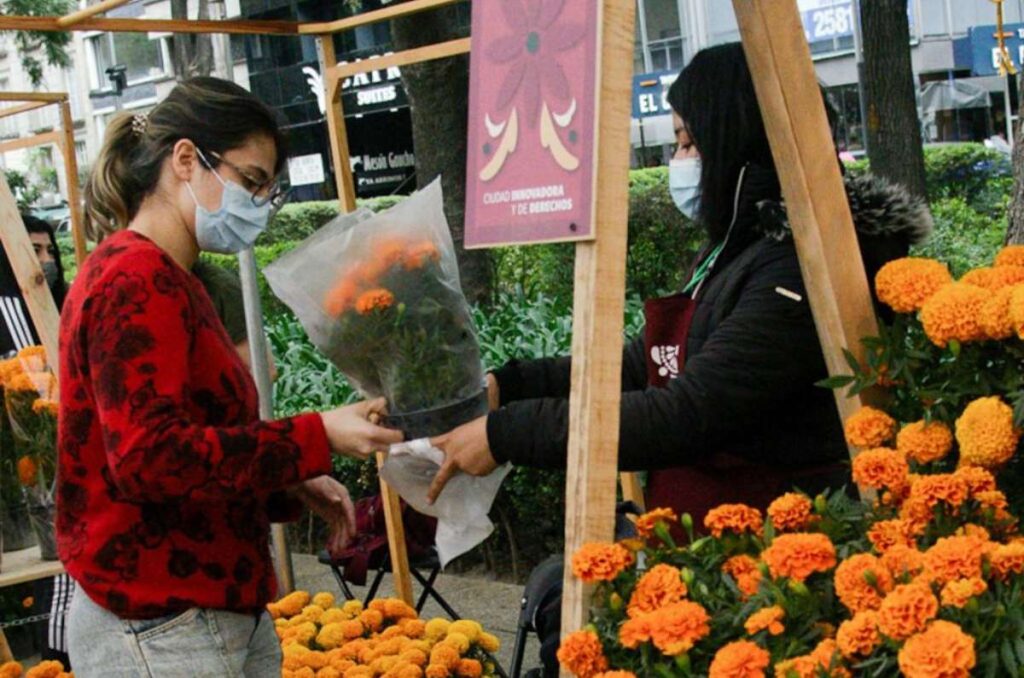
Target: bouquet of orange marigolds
x,y
322,640
379,295
30,392
46,669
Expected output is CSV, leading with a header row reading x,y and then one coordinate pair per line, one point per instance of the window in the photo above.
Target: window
x,y
722,22
934,20
145,59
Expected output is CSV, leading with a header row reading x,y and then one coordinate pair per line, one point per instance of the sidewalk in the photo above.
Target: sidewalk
x,y
493,604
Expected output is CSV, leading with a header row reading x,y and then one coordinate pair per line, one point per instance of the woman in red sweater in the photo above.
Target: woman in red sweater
x,y
168,481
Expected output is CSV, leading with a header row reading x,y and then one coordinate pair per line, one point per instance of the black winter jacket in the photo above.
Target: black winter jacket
x,y
753,358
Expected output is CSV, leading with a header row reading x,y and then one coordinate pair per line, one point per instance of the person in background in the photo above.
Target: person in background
x,y
16,327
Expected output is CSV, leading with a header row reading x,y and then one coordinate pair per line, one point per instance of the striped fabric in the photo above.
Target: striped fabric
x,y
63,589
15,318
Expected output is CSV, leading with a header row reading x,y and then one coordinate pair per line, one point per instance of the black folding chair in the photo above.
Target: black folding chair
x,y
543,586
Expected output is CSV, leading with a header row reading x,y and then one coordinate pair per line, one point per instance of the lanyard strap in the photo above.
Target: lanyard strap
x,y
704,269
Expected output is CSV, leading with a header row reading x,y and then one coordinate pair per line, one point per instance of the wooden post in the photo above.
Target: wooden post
x,y
401,576
632,489
597,315
92,10
336,125
29,142
22,108
71,176
29,274
819,214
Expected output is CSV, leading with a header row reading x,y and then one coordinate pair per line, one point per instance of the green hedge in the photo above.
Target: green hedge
x,y
297,221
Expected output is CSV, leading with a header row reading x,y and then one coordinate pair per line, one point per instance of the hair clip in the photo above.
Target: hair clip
x,y
140,121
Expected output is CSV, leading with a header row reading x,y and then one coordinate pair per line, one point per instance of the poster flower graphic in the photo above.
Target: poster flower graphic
x,y
532,101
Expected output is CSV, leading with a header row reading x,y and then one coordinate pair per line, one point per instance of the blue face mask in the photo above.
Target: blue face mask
x,y
684,185
236,224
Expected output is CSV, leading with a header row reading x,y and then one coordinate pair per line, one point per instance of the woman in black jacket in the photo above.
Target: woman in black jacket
x,y
719,398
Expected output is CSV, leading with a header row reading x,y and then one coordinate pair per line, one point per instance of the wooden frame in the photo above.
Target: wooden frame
x,y
787,89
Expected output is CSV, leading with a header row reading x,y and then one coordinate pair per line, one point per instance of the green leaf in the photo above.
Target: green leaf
x,y
837,382
1009,658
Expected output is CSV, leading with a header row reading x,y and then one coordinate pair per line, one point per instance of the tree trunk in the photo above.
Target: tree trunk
x,y
193,54
894,130
1015,216
438,94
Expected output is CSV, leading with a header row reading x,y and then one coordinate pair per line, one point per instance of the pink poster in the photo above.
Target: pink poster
x,y
532,97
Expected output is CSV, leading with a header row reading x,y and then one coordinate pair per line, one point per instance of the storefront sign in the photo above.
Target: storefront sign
x,y
650,93
979,50
305,170
831,19
530,165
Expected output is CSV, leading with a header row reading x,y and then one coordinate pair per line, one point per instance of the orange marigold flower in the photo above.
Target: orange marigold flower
x,y
994,315
869,427
823,661
885,534
925,442
799,555
615,674
377,299
739,659
1016,310
1006,560
943,651
956,593
986,433
768,618
905,284
341,297
907,610
952,314
33,358
645,524
600,562
744,571
880,468
829,658
928,492
469,668
955,558
420,254
859,637
28,471
994,279
635,631
581,654
738,518
903,561
662,585
46,406
675,629
861,582
11,669
977,479
1010,255
791,512
991,499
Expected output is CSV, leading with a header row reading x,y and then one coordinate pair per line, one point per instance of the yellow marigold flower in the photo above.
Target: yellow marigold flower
x,y
600,562
1010,255
881,468
869,427
468,628
744,571
433,671
324,600
943,650
903,562
33,358
660,586
737,518
1006,560
46,406
314,660
861,582
986,433
925,442
859,637
333,616
458,641
292,604
739,659
312,613
331,636
885,534
952,314
646,523
437,628
905,284
957,592
791,512
907,610
768,618
994,316
489,643
581,654
799,555
352,607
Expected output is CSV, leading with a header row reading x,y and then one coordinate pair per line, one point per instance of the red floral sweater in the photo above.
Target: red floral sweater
x,y
168,481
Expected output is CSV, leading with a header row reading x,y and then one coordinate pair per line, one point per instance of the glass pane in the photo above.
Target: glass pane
x,y
722,22
104,59
142,56
933,17
662,19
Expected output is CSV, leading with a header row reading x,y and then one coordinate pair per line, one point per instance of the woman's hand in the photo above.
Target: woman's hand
x,y
465,449
330,500
352,431
493,392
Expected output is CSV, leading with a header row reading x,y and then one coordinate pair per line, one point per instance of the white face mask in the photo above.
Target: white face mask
x,y
236,224
684,184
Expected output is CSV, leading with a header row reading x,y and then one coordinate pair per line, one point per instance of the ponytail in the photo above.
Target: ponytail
x,y
113,192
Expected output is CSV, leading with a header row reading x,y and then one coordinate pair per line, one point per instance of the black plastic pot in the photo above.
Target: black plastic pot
x,y
438,420
15,528
43,517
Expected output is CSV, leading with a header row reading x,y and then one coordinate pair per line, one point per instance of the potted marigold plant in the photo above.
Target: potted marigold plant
x,y
379,295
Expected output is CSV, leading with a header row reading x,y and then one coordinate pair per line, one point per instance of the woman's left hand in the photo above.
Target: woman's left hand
x,y
330,500
465,449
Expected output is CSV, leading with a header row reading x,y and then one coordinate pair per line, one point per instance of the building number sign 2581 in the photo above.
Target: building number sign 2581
x,y
832,22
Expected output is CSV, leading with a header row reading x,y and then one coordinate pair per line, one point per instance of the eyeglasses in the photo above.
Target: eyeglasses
x,y
272,192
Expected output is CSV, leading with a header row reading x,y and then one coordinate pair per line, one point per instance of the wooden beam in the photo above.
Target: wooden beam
x,y
404,58
71,177
812,185
336,127
29,274
23,108
366,18
401,576
632,489
597,314
29,142
92,10
233,26
50,97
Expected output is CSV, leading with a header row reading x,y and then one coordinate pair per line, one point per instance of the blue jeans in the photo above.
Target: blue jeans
x,y
197,643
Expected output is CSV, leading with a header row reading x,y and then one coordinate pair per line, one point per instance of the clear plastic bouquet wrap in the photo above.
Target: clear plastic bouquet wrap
x,y
379,295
